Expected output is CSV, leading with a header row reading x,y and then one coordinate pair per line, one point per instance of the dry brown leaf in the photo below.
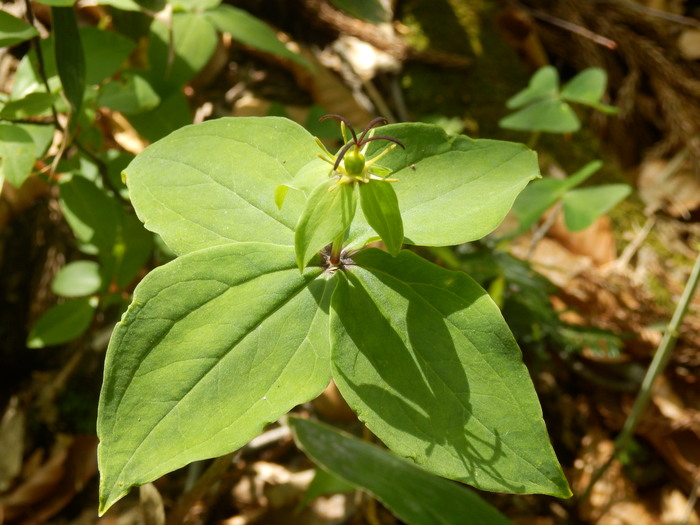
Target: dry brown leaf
x,y
53,486
12,428
674,193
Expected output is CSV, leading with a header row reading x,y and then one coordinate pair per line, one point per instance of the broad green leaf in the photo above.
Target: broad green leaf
x,y
105,52
214,183
77,279
91,214
17,154
62,323
172,114
451,189
130,94
69,56
550,115
414,495
251,31
215,345
425,359
13,30
33,104
194,40
587,87
381,209
327,215
544,84
583,206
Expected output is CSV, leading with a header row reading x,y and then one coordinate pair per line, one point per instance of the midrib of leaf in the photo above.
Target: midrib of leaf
x,y
251,330
481,357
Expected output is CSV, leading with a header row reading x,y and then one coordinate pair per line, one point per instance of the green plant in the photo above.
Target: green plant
x,y
542,106
78,72
230,335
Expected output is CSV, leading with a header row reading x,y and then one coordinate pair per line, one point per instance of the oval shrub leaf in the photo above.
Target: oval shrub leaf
x,y
414,495
425,359
215,345
214,183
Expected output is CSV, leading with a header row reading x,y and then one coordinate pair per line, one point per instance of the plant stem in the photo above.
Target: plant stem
x,y
336,249
661,357
534,138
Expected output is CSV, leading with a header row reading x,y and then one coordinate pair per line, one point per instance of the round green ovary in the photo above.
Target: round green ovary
x,y
354,162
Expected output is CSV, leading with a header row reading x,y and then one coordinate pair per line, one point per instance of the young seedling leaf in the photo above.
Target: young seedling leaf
x,y
13,30
535,200
587,87
17,154
450,189
327,215
583,206
425,359
215,345
214,183
414,495
381,209
544,85
550,115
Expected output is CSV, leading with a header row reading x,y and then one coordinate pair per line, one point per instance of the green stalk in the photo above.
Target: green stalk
x,y
657,366
336,249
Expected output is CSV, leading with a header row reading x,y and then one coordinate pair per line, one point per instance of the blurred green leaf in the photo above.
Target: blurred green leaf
x,y
91,214
544,84
583,206
587,87
251,31
105,52
69,56
77,279
369,10
549,115
13,30
41,134
32,105
324,483
62,323
130,94
17,154
414,495
194,40
172,113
